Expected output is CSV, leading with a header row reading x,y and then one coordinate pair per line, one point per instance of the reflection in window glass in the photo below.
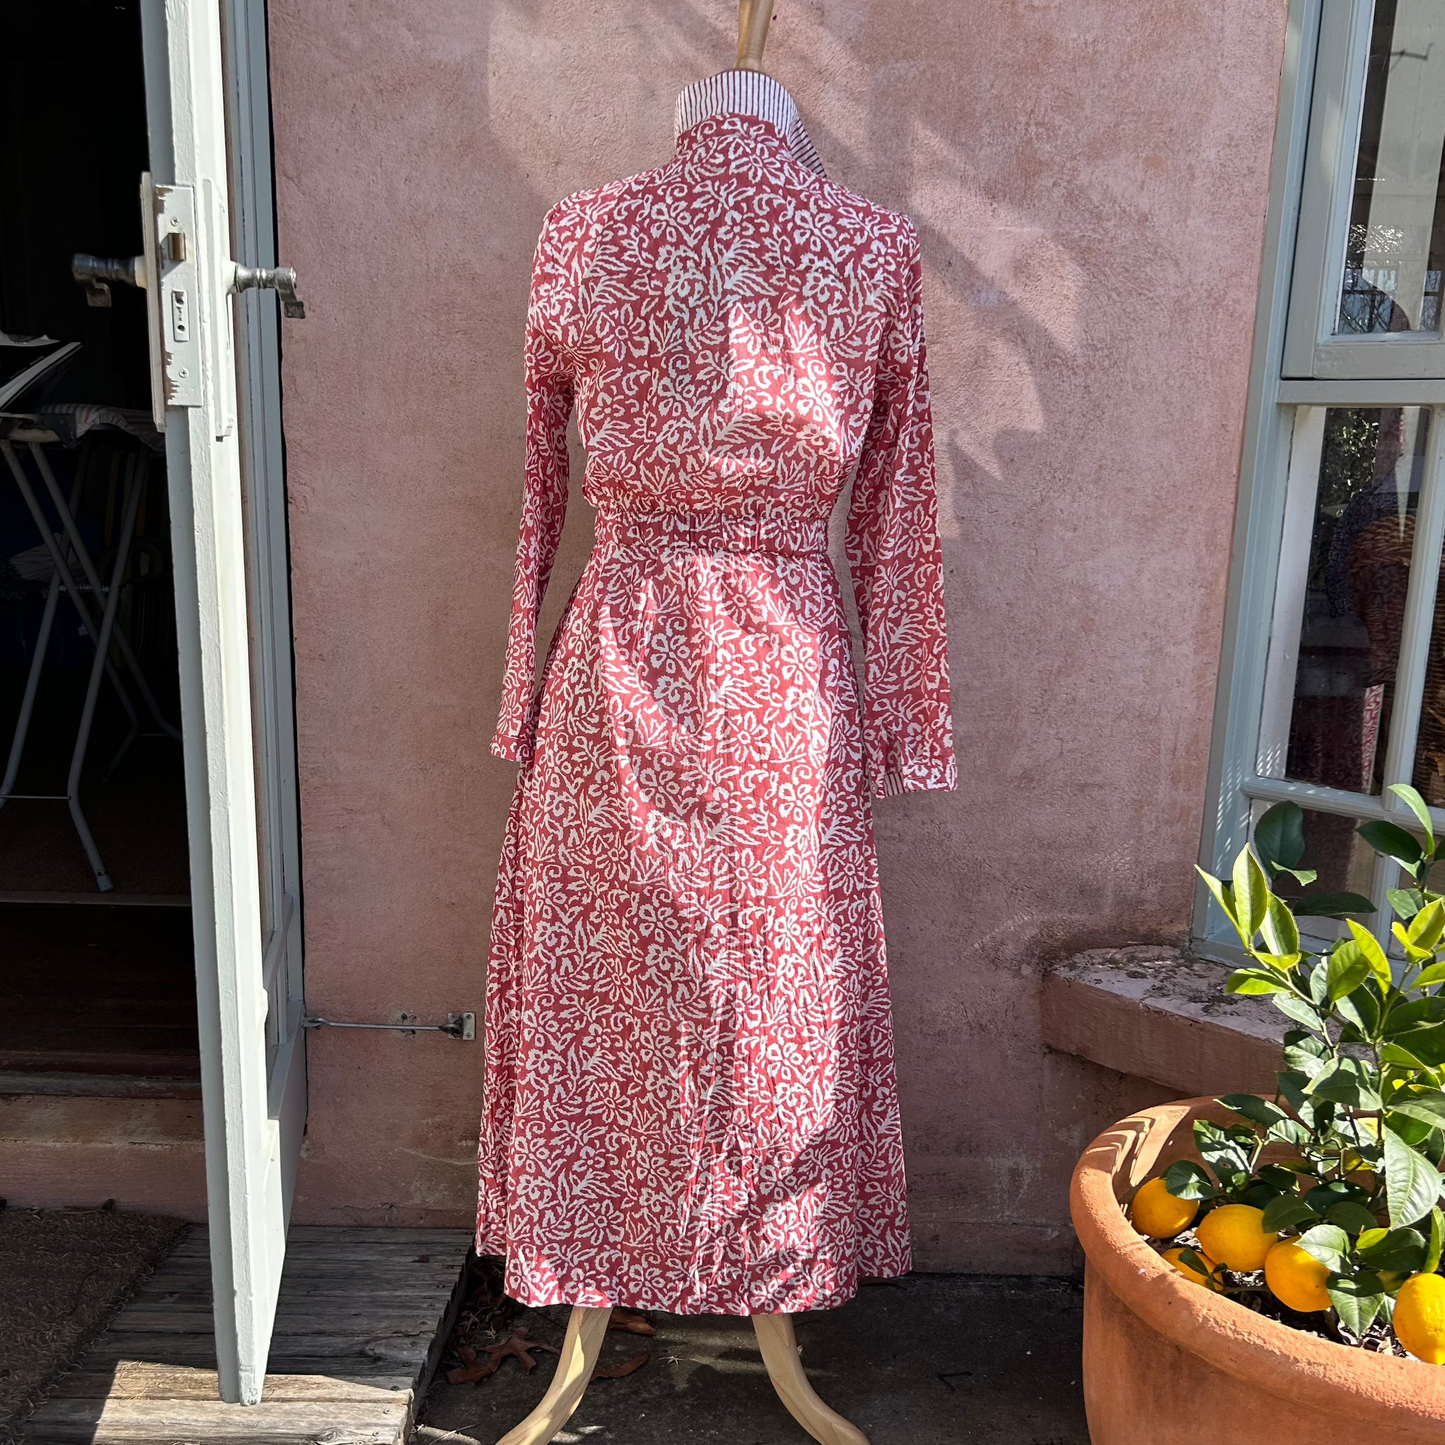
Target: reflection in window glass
x,y
1371,466
1344,862
1394,252
1428,774
1434,879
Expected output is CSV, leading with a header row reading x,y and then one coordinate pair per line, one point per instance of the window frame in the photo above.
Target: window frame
x,y
1311,347
1304,237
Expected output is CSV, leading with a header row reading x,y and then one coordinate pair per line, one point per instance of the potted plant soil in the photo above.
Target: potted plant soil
x,y
1270,1269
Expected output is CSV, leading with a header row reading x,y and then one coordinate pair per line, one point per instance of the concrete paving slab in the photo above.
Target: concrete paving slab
x,y
925,1360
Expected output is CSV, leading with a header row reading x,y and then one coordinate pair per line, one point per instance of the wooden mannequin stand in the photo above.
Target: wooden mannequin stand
x,y
588,1325
585,1331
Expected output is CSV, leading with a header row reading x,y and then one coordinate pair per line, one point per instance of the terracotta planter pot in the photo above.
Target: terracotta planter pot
x,y
1166,1362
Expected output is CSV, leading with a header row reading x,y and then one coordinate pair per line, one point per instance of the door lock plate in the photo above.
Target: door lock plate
x,y
170,253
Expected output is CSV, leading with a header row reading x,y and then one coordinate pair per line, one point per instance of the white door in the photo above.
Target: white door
x,y
215,359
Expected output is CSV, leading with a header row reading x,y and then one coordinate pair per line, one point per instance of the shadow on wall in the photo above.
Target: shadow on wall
x,y
1003,294
1089,181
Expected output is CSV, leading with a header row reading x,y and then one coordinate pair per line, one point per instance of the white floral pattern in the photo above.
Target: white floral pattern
x,y
690,1095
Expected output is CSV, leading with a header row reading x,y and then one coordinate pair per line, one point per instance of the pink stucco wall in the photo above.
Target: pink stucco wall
x,y
1089,178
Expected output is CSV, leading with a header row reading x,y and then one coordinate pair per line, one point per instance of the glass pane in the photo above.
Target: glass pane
x,y
1394,251
1429,772
1371,465
1345,863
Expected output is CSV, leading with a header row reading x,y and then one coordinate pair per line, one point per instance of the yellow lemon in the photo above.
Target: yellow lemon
x,y
1296,1278
1157,1213
1232,1235
1420,1317
1172,1255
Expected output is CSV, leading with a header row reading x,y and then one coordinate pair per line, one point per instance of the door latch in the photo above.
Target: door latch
x,y
280,279
457,1026
168,274
96,272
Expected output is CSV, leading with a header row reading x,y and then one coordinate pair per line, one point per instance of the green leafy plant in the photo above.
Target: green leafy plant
x,y
1356,1132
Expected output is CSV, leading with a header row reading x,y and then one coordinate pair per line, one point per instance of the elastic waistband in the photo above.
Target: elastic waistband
x,y
712,532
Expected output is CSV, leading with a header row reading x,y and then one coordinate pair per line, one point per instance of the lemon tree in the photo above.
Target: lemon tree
x,y
1360,1110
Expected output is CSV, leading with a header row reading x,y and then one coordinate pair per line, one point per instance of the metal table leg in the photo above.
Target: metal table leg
x,y
101,636
133,490
67,520
37,660
62,567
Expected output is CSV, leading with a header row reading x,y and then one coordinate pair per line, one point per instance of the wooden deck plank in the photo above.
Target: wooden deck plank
x,y
359,1327
135,1380
322,1286
334,1272
374,1250
382,1317
337,1258
369,1234
307,1366
414,1242
191,1347
321,1301
99,1422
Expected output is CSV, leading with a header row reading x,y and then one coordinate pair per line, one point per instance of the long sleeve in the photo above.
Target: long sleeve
x,y
544,497
896,561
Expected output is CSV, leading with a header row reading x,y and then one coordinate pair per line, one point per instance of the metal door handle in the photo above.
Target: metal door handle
x,y
280,279
168,274
93,272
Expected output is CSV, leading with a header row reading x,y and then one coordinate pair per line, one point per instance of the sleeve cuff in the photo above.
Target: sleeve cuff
x,y
933,778
510,748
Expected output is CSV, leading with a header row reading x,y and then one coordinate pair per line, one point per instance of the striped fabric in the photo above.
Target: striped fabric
x,y
748,92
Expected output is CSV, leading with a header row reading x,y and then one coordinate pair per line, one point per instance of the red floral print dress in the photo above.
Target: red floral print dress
x,y
690,1100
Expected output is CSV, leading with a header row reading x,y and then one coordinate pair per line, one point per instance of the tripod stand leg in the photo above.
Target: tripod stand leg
x,y
585,1331
785,1370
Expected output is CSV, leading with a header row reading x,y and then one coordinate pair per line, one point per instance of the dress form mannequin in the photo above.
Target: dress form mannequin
x,y
585,1331
754,17
587,1326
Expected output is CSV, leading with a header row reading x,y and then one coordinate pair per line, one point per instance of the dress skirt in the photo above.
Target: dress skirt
x,y
690,1091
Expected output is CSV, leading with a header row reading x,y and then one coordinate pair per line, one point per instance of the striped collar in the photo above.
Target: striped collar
x,y
748,92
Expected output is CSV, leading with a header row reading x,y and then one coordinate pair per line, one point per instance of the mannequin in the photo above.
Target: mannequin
x,y
587,1326
754,17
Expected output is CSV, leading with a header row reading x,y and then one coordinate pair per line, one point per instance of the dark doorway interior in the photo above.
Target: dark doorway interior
x,y
94,986
97,1000
72,148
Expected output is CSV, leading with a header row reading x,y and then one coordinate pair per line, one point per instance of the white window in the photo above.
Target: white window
x,y
1333,686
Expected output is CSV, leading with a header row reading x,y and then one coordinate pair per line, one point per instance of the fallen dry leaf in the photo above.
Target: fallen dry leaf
x,y
630,1322
616,1372
422,1259
472,1371
520,1346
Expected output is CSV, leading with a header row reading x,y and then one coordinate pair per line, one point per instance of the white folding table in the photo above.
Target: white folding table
x,y
31,432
